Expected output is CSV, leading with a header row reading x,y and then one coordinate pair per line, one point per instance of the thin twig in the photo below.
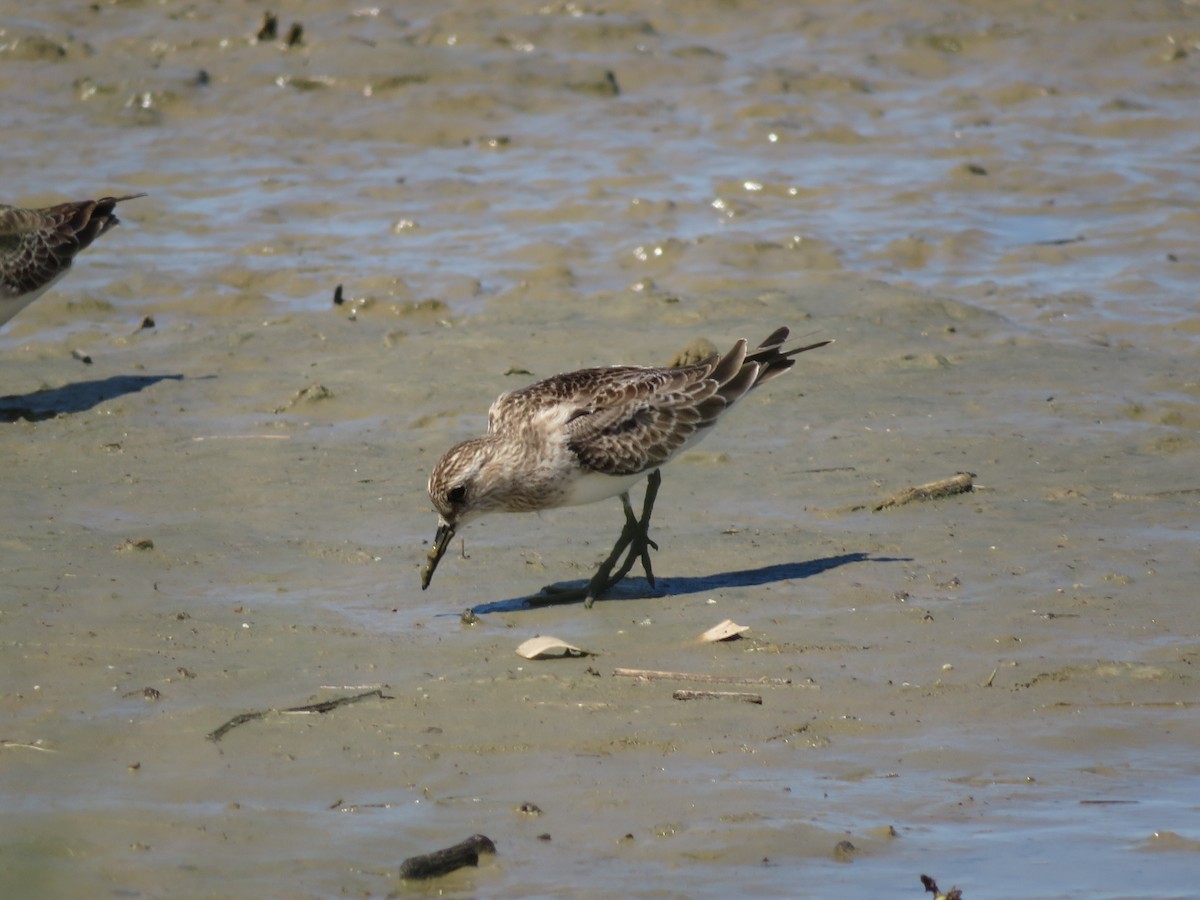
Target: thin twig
x,y
1154,495
718,695
242,437
651,674
17,745
323,707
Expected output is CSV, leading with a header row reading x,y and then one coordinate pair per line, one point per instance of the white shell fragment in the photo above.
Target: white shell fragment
x,y
724,631
545,647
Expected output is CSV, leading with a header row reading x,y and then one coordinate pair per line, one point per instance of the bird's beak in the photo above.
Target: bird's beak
x,y
441,541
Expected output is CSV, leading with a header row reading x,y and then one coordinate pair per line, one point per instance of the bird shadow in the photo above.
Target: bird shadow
x,y
640,588
76,397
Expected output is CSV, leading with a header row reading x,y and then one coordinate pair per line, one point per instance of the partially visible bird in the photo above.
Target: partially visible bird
x,y
37,246
583,436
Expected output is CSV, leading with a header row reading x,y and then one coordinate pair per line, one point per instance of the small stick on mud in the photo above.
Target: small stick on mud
x,y
1122,495
323,707
718,695
934,490
17,745
442,862
651,674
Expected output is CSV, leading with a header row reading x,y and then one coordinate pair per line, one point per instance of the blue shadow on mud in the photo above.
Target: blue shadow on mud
x,y
74,398
638,588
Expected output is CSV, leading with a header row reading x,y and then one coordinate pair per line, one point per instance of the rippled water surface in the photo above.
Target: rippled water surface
x,y
1040,161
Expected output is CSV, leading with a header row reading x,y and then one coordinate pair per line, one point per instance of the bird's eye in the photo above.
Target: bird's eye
x,y
456,494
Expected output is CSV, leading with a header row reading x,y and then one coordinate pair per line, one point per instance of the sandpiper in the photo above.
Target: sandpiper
x,y
588,435
37,246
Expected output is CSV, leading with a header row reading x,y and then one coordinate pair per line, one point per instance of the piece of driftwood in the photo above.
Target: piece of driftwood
x,y
718,695
958,484
652,674
323,707
442,862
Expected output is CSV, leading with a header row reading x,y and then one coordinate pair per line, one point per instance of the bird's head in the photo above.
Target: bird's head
x,y
461,490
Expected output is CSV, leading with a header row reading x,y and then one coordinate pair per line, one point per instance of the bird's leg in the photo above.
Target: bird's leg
x,y
601,583
639,548
652,484
635,537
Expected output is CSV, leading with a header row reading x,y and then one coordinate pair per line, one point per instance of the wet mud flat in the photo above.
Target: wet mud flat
x,y
228,516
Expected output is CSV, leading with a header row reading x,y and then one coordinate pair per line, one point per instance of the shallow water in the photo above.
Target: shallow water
x,y
514,187
1037,162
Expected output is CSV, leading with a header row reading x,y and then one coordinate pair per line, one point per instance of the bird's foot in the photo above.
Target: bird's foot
x,y
635,538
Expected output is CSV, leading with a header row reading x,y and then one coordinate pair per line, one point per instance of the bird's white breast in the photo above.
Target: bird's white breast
x,y
11,304
592,486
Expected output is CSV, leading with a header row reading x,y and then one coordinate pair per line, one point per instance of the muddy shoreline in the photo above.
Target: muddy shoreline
x,y
1005,651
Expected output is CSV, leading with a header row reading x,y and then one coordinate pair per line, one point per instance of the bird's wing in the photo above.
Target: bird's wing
x,y
619,420
29,250
15,221
624,420
36,245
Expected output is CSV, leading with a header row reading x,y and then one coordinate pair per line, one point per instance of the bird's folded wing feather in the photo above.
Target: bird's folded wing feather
x,y
34,245
637,423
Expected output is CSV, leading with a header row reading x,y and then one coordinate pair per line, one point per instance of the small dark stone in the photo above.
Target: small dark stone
x,y
269,28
